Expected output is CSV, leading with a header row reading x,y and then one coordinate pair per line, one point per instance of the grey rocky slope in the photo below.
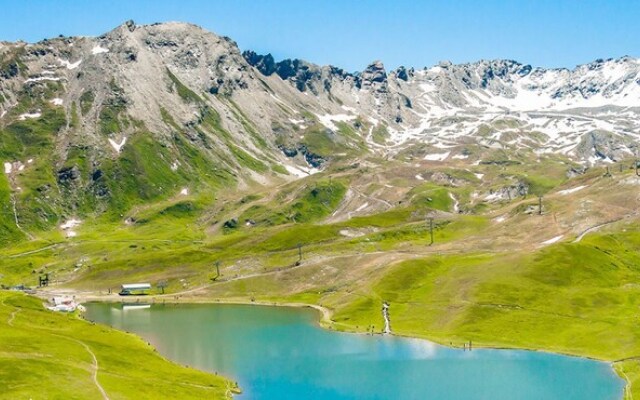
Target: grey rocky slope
x,y
145,112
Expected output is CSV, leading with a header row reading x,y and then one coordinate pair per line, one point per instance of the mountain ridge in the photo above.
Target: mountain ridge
x,y
96,125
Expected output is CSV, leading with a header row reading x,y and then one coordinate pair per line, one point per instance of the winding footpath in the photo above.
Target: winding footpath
x,y
94,365
12,316
96,368
456,203
596,227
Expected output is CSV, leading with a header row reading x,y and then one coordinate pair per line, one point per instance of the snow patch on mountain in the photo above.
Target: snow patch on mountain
x,y
26,116
70,65
328,120
99,50
118,146
437,156
42,78
301,172
72,223
572,190
68,227
552,240
298,122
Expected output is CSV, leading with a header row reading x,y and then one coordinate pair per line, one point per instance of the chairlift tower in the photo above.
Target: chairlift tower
x,y
217,264
299,254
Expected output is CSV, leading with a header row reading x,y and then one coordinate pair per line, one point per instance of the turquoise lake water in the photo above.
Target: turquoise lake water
x,y
281,353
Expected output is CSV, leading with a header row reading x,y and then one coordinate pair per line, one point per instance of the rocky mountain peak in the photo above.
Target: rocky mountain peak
x,y
208,110
374,77
263,63
374,72
403,73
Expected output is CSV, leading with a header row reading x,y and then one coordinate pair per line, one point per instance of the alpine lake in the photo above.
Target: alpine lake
x,y
282,353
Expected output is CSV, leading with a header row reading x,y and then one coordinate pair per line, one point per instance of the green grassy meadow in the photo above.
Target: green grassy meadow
x,y
489,277
47,355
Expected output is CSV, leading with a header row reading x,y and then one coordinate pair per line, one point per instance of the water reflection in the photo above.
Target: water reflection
x,y
280,353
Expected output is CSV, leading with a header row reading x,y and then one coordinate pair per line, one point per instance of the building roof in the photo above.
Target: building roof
x,y
136,286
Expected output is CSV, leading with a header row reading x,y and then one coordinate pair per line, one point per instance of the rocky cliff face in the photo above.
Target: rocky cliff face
x,y
97,125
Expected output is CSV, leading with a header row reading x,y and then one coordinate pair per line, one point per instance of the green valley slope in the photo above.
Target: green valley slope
x,y
498,273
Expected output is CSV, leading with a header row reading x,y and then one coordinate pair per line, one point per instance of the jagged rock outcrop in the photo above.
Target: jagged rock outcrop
x,y
374,73
605,146
508,193
403,73
265,64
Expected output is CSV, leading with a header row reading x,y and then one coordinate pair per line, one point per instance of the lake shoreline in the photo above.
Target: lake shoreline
x,y
324,321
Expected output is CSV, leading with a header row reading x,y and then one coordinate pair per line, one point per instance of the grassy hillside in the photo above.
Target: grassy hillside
x,y
566,298
498,273
46,355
